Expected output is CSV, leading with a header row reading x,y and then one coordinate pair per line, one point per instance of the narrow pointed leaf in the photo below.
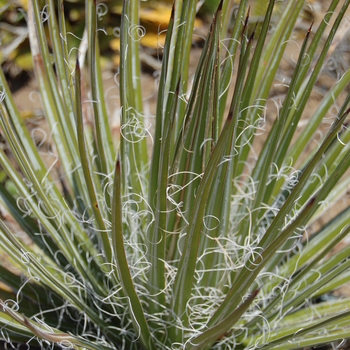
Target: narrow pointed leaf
x,y
138,317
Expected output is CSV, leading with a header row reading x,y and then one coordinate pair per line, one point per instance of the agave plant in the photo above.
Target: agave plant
x,y
206,244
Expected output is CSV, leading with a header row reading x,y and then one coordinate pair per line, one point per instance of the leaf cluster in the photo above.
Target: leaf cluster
x,y
203,245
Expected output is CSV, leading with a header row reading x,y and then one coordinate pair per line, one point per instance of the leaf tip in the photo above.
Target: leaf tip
x,y
310,28
255,293
177,90
77,65
220,6
247,17
246,21
311,202
253,32
172,16
77,68
117,165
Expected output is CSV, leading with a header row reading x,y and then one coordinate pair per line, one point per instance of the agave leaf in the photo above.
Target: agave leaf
x,y
157,247
304,93
29,160
326,266
341,280
61,238
25,166
297,343
179,66
153,179
133,142
208,337
23,289
298,275
15,282
319,114
262,167
335,196
317,245
250,82
65,77
311,187
182,285
306,317
14,330
62,32
300,86
24,144
45,205
270,241
281,35
170,256
330,307
275,48
158,180
60,65
333,155
30,201
27,224
339,269
318,37
226,16
173,60
87,172
304,179
20,129
51,100
103,135
227,69
45,274
138,317
217,210
311,340
310,290
197,135
52,336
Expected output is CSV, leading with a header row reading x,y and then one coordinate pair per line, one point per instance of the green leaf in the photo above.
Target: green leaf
x,y
209,336
133,135
103,135
305,91
273,237
183,281
158,182
136,312
87,172
297,342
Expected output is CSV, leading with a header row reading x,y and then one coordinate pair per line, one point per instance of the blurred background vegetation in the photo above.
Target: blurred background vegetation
x,y
14,46
15,55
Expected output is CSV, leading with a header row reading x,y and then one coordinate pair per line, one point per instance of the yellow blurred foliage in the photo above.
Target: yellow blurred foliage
x,y
114,44
158,16
154,20
153,40
23,4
